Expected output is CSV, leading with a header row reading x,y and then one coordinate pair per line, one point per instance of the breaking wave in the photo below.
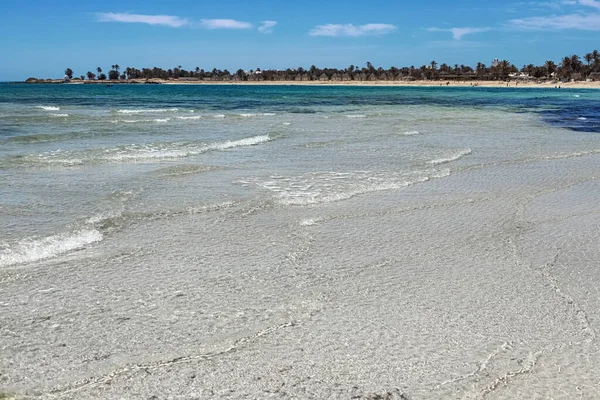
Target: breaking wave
x,y
256,115
147,111
193,117
327,187
134,152
49,108
451,158
30,249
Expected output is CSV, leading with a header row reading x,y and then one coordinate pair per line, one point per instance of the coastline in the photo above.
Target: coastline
x,y
419,83
423,83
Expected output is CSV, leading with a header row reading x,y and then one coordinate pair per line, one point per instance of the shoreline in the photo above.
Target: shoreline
x,y
419,83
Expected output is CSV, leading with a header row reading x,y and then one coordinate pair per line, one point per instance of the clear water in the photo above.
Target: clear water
x,y
437,240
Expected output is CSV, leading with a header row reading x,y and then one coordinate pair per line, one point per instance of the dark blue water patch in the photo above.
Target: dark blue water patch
x,y
581,117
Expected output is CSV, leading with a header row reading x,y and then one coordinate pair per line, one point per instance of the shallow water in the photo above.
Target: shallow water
x,y
308,242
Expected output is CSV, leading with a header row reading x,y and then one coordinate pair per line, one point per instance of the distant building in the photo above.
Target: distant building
x,y
67,79
495,63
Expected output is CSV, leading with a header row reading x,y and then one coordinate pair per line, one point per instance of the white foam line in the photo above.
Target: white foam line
x,y
455,157
186,118
59,115
156,110
30,250
308,198
49,108
256,115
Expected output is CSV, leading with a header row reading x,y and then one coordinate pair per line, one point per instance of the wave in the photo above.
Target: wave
x,y
194,117
49,108
327,187
147,111
37,249
219,116
137,152
451,158
59,115
133,121
93,231
582,118
356,116
161,120
256,115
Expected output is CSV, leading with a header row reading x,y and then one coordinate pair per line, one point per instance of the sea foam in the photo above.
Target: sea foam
x,y
454,157
31,250
49,108
147,111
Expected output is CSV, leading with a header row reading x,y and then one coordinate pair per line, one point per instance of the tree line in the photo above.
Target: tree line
x,y
570,67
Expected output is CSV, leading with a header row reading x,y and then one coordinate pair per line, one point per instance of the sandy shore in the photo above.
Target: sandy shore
x,y
423,83
547,85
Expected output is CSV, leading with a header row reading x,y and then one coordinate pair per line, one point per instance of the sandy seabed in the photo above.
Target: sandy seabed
x,y
480,283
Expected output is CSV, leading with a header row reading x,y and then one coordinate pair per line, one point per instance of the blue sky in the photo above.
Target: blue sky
x,y
43,37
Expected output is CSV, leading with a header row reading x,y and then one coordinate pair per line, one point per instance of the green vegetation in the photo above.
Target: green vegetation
x,y
570,68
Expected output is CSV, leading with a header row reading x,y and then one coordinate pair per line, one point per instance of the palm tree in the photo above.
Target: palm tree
x,y
589,57
565,67
90,75
99,70
550,67
433,65
575,63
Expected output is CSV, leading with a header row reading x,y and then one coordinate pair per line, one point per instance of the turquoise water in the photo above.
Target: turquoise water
x,y
422,238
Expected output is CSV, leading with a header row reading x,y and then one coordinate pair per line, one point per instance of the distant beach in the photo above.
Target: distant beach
x,y
416,83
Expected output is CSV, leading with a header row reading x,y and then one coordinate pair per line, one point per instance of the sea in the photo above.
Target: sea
x,y
258,241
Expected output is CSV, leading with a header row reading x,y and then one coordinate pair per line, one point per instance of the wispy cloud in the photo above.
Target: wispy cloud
x,y
458,33
166,20
589,22
267,26
590,3
351,30
224,24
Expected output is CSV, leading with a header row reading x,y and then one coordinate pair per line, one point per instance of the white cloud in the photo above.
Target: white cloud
x,y
589,22
351,30
166,20
225,24
590,3
458,33
267,26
